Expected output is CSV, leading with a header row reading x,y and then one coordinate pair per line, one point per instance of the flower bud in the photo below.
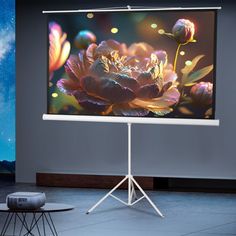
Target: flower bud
x,y
84,38
183,31
201,93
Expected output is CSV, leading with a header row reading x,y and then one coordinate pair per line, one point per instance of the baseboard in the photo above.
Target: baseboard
x,y
147,183
88,181
9,177
195,185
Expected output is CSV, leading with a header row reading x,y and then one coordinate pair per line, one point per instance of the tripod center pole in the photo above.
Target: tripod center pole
x,y
129,149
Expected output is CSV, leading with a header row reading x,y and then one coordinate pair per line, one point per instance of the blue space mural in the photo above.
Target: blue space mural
x,y
7,86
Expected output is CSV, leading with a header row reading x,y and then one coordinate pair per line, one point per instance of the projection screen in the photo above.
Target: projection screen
x,y
138,65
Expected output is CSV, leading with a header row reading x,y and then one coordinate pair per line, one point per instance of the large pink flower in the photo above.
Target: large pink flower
x,y
59,47
111,78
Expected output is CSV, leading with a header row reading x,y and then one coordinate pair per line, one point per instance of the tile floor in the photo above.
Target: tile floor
x,y
186,214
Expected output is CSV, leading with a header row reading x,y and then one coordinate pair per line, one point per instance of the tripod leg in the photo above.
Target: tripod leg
x,y
134,195
149,200
107,195
130,192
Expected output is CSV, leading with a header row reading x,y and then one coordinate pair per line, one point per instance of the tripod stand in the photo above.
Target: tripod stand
x,y
132,196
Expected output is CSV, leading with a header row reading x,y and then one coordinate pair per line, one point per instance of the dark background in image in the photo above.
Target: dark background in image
x,y
173,151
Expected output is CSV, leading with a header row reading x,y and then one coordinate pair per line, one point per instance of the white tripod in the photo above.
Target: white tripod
x,y
132,197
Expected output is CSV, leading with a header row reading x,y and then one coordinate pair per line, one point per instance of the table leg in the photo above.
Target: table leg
x,y
6,223
44,231
22,218
24,224
36,223
14,227
31,226
21,228
51,224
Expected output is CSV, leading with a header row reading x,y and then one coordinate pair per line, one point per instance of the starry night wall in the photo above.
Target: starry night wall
x,y
7,82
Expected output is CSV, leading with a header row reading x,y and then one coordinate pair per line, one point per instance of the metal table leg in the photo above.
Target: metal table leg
x,y
25,228
6,223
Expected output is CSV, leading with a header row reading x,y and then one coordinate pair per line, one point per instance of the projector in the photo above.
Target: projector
x,y
25,200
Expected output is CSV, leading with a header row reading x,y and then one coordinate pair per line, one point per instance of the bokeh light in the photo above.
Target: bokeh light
x,y
161,31
54,95
148,27
90,15
182,53
188,63
153,25
114,30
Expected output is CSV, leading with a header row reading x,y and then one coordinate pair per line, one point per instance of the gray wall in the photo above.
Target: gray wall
x,y
90,148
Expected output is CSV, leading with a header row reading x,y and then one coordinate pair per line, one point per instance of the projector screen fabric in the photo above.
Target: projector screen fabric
x,y
133,64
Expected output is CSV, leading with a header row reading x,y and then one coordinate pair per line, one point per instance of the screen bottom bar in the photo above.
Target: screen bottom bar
x,y
133,120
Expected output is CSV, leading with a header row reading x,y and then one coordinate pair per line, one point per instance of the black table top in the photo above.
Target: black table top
x,y
48,207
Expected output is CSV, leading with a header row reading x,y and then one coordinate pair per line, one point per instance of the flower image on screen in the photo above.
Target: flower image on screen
x,y
132,63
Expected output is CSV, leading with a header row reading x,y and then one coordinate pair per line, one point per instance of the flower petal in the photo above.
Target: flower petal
x,y
100,67
107,89
148,91
53,26
67,86
63,56
54,49
90,52
162,56
126,81
103,49
128,110
145,78
73,66
140,49
91,103
169,98
115,45
169,76
70,73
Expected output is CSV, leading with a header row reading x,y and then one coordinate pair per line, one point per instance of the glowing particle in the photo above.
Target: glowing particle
x,y
153,25
90,15
54,95
182,53
188,63
114,30
161,31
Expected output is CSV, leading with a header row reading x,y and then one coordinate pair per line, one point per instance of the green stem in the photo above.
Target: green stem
x,y
176,57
